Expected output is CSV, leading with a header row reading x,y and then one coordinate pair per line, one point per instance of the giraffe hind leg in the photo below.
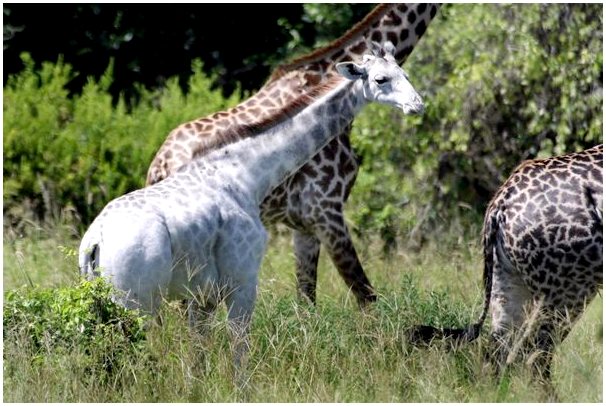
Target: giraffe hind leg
x,y
510,299
307,252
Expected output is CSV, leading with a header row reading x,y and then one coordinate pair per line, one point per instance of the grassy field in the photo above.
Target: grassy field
x,y
329,353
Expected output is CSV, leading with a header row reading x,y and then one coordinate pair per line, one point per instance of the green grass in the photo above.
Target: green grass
x,y
329,353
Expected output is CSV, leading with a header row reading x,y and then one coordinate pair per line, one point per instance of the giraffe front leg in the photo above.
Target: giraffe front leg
x,y
204,295
307,252
240,303
239,252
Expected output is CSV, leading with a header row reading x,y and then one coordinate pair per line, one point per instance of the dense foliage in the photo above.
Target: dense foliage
x,y
502,83
507,83
76,153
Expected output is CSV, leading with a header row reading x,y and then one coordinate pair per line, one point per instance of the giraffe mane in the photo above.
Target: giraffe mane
x,y
289,110
241,131
371,18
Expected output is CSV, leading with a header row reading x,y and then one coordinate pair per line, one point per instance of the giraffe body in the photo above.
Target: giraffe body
x,y
543,247
199,232
310,201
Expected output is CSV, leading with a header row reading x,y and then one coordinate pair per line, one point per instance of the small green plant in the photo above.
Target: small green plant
x,y
82,316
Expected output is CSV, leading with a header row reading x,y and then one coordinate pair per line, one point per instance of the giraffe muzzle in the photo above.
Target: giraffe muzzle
x,y
416,107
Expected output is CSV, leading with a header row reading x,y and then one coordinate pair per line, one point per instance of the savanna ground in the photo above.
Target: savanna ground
x,y
329,353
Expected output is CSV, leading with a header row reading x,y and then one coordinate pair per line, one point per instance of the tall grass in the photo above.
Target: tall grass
x,y
332,352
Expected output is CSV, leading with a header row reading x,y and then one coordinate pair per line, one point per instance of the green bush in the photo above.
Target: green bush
x,y
83,151
505,83
81,317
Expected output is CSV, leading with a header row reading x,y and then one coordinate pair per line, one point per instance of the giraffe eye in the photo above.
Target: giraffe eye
x,y
381,80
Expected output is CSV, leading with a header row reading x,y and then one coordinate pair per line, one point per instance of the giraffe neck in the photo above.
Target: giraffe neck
x,y
401,24
266,157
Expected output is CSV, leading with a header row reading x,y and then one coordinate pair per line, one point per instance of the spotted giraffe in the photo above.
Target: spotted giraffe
x,y
199,232
542,257
311,201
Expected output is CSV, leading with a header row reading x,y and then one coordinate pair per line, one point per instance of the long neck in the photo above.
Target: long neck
x,y
402,24
264,160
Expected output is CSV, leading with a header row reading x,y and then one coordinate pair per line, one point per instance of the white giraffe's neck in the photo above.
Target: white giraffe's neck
x,y
263,161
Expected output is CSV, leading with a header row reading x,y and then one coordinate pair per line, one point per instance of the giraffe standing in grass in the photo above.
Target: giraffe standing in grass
x,y
543,256
310,201
199,232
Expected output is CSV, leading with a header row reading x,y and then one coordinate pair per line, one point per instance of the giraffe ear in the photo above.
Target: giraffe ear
x,y
350,70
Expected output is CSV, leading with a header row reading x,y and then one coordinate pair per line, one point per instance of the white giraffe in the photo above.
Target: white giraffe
x,y
199,231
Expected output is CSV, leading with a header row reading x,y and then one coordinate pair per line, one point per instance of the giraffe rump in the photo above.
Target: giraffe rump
x,y
543,258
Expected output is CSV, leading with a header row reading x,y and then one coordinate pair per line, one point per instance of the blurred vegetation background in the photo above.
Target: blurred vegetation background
x,y
91,91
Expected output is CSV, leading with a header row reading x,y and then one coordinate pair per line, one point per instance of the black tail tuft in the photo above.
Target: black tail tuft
x,y
419,335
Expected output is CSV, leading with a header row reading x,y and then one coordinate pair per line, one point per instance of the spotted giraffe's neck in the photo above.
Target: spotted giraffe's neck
x,y
401,24
279,146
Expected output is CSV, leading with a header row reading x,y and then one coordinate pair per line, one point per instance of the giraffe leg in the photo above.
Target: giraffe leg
x,y
510,299
307,252
199,314
315,199
327,227
553,330
540,348
339,246
541,351
203,297
240,303
239,252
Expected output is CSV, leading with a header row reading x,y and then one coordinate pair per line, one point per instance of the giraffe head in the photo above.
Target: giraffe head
x,y
384,81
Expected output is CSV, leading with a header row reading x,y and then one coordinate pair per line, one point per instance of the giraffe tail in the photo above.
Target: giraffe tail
x,y
89,261
423,334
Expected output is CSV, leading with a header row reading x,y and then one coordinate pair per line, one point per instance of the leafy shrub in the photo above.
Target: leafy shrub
x,y
82,316
506,83
78,153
